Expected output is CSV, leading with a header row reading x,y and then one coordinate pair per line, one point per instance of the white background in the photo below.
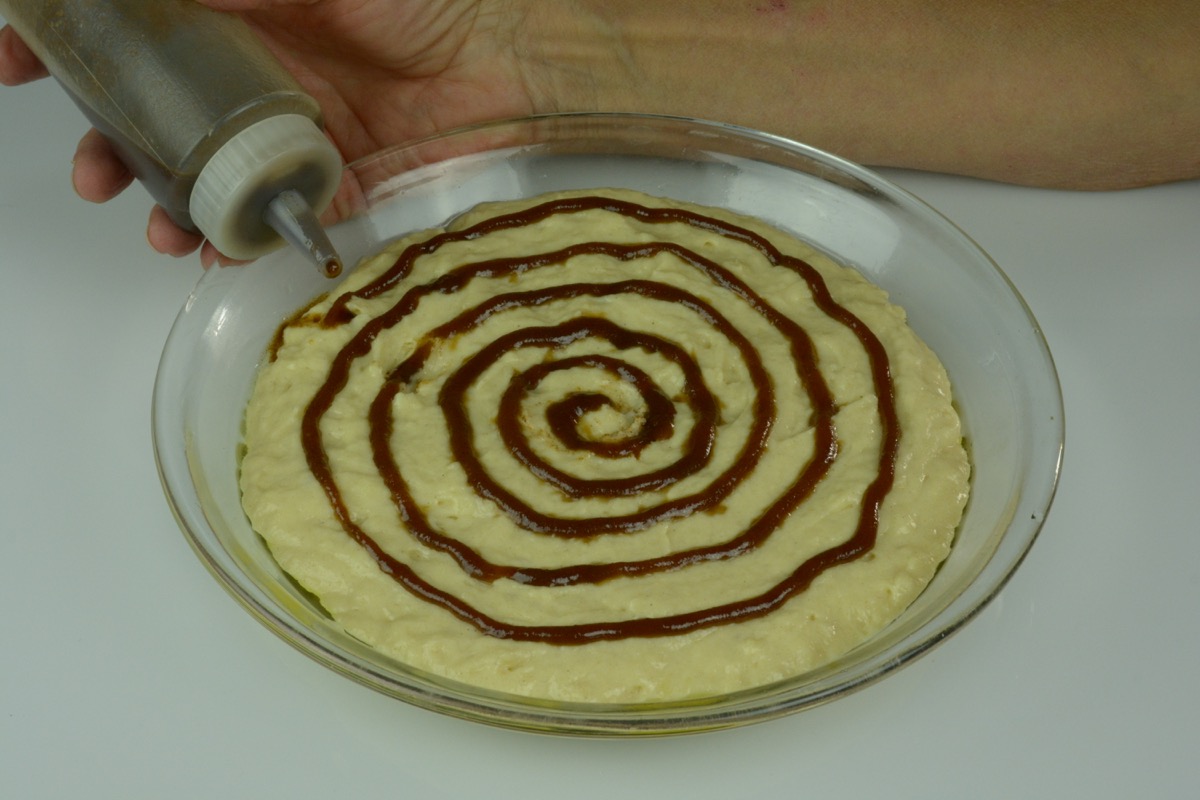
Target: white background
x,y
126,671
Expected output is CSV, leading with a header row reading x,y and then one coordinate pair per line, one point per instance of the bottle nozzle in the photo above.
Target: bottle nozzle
x,y
268,181
290,215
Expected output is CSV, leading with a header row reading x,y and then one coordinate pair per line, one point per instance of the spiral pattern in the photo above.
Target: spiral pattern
x,y
580,401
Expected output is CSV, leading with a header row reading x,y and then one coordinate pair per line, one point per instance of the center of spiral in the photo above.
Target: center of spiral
x,y
609,424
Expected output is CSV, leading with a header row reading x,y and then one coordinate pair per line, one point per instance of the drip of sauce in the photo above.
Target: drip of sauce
x,y
563,419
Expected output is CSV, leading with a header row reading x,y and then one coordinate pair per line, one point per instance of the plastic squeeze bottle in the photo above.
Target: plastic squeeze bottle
x,y
200,111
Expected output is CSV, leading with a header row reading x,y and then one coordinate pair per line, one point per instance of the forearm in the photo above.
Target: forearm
x,y
1079,94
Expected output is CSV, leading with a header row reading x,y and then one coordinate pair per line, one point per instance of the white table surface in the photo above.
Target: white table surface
x,y
126,671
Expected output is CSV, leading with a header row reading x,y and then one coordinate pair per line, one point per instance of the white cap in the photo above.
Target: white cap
x,y
237,184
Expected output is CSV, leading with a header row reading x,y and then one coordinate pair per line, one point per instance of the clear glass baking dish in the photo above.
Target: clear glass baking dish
x,y
957,299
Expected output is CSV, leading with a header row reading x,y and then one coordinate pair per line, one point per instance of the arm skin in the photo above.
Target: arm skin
x,y
1080,94
1091,94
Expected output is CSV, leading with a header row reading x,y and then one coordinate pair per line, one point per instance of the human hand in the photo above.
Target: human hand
x,y
383,71
905,84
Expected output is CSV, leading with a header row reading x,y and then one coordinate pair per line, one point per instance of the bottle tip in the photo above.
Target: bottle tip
x,y
290,215
332,267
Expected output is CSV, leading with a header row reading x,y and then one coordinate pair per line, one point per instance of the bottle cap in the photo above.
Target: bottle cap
x,y
230,199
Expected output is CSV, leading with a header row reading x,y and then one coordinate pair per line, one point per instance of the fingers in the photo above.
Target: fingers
x,y
168,238
210,256
98,174
18,64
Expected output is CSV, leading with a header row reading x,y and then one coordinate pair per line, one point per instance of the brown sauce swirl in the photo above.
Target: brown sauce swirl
x,y
563,417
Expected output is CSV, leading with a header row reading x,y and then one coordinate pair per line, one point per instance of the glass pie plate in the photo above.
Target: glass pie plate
x,y
957,299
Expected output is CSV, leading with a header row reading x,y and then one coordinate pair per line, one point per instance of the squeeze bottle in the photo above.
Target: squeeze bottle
x,y
200,111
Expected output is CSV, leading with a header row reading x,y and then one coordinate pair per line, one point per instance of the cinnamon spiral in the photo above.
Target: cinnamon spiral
x,y
573,337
